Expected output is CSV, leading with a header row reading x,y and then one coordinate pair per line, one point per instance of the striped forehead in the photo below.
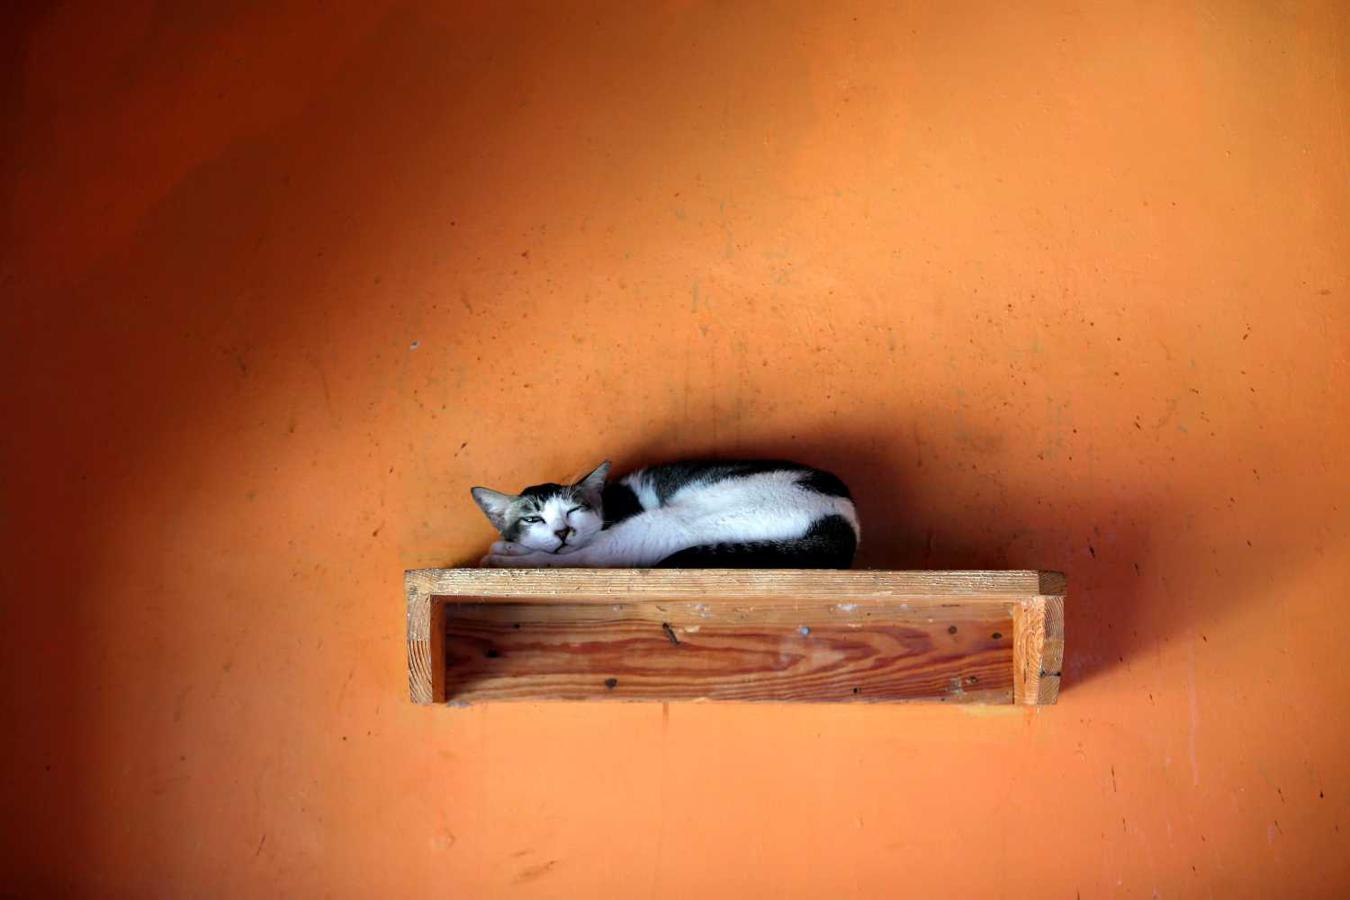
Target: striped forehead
x,y
538,497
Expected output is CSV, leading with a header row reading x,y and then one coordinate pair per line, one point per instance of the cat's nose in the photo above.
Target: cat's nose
x,y
563,533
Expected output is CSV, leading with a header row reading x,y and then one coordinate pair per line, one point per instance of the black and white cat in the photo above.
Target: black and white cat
x,y
697,514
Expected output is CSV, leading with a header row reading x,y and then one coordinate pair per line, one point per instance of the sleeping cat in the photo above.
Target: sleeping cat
x,y
696,514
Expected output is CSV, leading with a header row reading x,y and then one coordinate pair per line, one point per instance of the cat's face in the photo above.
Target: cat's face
x,y
548,517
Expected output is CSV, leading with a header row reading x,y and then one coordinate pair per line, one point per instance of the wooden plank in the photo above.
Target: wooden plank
x,y
426,643
781,585
816,635
1038,645
635,651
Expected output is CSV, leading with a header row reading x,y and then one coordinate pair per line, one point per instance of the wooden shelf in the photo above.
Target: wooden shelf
x,y
734,634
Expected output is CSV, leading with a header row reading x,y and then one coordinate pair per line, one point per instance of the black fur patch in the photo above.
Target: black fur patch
x,y
829,544
668,478
544,491
619,503
825,483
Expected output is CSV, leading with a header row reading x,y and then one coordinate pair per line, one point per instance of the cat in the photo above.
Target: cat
x,y
692,514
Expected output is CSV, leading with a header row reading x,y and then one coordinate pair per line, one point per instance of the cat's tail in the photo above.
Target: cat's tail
x,y
829,544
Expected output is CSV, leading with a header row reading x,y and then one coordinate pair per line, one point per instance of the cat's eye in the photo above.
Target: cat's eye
x,y
575,508
533,520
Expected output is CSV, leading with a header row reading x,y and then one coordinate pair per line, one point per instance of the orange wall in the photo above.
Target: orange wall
x,y
1060,287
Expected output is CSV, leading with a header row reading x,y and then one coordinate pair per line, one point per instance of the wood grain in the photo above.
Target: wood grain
x,y
1038,645
426,643
735,634
773,585
630,652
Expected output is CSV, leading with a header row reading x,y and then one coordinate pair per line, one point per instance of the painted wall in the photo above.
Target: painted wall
x,y
1059,287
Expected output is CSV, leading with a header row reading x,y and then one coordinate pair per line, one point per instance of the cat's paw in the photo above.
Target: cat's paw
x,y
501,554
530,559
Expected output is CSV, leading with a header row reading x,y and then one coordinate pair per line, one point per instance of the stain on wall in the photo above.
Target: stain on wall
x,y
1049,286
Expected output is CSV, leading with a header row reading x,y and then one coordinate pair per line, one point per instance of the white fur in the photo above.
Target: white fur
x,y
768,506
559,514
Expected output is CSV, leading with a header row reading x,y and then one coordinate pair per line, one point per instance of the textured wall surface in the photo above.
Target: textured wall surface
x,y
1062,287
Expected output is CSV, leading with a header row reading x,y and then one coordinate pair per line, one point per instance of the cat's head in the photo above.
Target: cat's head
x,y
548,516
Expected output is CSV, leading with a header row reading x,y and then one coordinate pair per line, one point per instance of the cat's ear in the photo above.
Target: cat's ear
x,y
494,505
594,483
